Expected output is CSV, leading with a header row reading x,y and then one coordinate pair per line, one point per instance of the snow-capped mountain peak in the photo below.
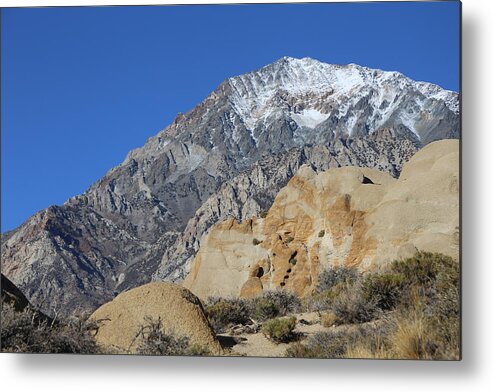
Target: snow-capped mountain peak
x,y
310,91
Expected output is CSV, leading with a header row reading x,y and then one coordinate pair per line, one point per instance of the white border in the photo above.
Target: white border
x,y
88,373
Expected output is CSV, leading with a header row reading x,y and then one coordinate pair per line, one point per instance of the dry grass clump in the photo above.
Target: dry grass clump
x,y
328,319
409,311
335,343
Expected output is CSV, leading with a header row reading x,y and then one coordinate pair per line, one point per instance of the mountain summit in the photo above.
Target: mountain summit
x,y
229,156
310,92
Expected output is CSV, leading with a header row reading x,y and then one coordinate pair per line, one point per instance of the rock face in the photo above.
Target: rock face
x,y
228,156
12,295
348,216
253,191
180,312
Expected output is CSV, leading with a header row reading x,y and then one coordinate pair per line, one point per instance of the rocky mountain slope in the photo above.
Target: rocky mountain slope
x,y
227,156
350,216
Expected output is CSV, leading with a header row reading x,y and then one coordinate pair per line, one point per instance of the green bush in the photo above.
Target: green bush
x,y
384,290
280,329
223,312
263,214
265,309
424,269
321,233
274,304
256,242
288,240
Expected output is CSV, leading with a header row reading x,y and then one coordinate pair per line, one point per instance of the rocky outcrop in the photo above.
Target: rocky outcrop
x,y
179,311
12,295
146,216
253,191
349,216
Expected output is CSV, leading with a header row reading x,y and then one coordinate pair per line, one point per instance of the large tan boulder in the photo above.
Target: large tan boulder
x,y
180,312
345,216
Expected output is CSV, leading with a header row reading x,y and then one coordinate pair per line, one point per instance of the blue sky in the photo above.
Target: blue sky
x,y
82,86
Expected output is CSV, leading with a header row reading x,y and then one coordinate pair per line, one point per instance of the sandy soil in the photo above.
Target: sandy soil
x,y
257,345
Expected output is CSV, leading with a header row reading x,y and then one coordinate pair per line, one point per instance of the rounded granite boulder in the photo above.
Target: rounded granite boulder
x,y
180,312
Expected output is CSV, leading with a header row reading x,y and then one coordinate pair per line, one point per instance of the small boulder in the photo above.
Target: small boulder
x,y
180,311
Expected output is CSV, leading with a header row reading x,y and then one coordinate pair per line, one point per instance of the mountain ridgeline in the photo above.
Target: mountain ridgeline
x,y
227,157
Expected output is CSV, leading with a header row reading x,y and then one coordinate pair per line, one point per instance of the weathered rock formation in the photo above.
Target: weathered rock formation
x,y
229,155
12,295
349,216
178,309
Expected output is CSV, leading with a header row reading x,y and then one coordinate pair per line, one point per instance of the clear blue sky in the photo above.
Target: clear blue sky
x,y
83,86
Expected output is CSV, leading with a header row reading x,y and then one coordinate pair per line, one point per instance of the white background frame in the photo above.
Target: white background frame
x,y
19,372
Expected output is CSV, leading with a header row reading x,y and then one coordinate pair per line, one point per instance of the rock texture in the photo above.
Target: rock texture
x,y
253,191
12,295
180,312
228,156
349,216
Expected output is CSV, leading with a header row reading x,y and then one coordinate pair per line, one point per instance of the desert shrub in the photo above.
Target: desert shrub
x,y
153,340
423,294
256,242
223,312
23,331
279,329
432,291
328,319
274,304
351,307
265,309
424,269
335,275
410,335
198,350
263,214
320,301
383,289
336,343
321,233
330,344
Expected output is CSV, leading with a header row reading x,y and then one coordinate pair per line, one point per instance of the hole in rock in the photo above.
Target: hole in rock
x,y
366,180
260,272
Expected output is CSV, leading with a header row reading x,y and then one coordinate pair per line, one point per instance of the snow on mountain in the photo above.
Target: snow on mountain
x,y
310,92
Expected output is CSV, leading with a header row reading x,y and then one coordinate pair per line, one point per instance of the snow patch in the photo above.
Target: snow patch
x,y
309,118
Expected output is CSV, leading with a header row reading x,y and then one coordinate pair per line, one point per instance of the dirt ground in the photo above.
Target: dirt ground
x,y
257,345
